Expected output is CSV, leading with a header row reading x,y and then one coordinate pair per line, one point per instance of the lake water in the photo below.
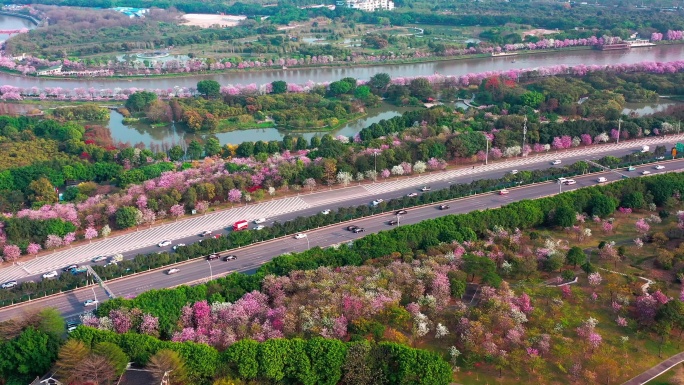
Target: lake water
x,y
9,22
171,134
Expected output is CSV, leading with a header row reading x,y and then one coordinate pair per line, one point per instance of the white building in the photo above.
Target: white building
x,y
367,5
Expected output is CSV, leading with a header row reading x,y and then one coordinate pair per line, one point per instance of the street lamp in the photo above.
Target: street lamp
x,y
560,187
375,167
398,219
487,150
308,245
94,296
211,273
619,126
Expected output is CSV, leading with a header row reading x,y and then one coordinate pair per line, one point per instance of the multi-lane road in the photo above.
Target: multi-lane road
x,y
71,304
186,230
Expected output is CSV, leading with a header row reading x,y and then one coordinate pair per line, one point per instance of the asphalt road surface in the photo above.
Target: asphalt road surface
x,y
251,257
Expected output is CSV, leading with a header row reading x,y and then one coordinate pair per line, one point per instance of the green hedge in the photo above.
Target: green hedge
x,y
310,362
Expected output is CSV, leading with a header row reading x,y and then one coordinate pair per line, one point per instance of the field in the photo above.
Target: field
x,y
207,21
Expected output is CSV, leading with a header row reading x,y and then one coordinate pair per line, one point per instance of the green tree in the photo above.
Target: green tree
x,y
362,92
634,200
139,101
243,356
126,217
421,88
478,266
113,353
565,216
71,354
602,205
51,322
176,153
379,82
30,354
279,87
194,149
169,362
209,88
245,149
339,87
41,190
212,147
532,99
575,256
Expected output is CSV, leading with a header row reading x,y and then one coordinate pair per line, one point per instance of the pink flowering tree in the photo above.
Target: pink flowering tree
x,y
595,279
234,195
202,207
90,233
53,241
177,211
33,248
642,227
11,252
69,239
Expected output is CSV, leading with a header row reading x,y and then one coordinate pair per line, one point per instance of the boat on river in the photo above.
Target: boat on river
x,y
497,54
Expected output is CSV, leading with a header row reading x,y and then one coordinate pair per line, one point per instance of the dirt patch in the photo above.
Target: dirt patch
x,y
539,32
207,20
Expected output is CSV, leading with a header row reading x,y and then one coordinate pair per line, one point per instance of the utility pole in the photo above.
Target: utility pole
x,y
522,150
375,167
619,127
487,151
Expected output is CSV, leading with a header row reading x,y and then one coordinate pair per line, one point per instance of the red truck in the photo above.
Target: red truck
x,y
240,225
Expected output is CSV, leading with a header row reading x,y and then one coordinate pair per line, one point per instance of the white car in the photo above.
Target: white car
x,y
178,245
659,167
205,233
51,274
555,162
426,188
9,285
411,195
164,243
325,212
99,258
90,302
602,179
513,172
260,220
260,227
172,271
377,202
570,181
71,329
645,172
300,236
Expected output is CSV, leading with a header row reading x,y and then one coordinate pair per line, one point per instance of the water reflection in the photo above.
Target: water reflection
x,y
641,109
146,134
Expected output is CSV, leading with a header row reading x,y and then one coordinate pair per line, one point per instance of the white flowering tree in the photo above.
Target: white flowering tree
x,y
397,170
420,167
344,178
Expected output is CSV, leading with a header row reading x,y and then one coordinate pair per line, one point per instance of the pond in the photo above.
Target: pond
x,y
171,134
641,109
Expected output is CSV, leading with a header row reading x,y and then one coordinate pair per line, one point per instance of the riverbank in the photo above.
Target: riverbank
x,y
209,73
30,18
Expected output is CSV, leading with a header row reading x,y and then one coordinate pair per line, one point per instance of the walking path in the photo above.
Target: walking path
x,y
322,198
656,370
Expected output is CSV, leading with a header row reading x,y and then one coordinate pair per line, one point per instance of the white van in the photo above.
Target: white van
x,y
602,180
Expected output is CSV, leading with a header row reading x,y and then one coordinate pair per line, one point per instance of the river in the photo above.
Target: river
x,y
10,22
662,53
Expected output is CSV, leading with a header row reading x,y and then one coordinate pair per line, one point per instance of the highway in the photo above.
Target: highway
x,y
186,230
251,257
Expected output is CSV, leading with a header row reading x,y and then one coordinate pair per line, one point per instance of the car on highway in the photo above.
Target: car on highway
x,y
260,227
377,202
9,285
660,158
393,222
659,167
300,236
178,245
555,162
71,328
411,195
352,227
444,207
325,212
205,233
51,274
513,172
631,168
90,302
568,182
172,271
602,179
99,258
164,243
70,267
426,188
113,263
401,212
503,192
212,257
645,172
229,258
260,220
359,230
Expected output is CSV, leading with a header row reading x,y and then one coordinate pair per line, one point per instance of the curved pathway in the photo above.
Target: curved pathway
x,y
656,370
